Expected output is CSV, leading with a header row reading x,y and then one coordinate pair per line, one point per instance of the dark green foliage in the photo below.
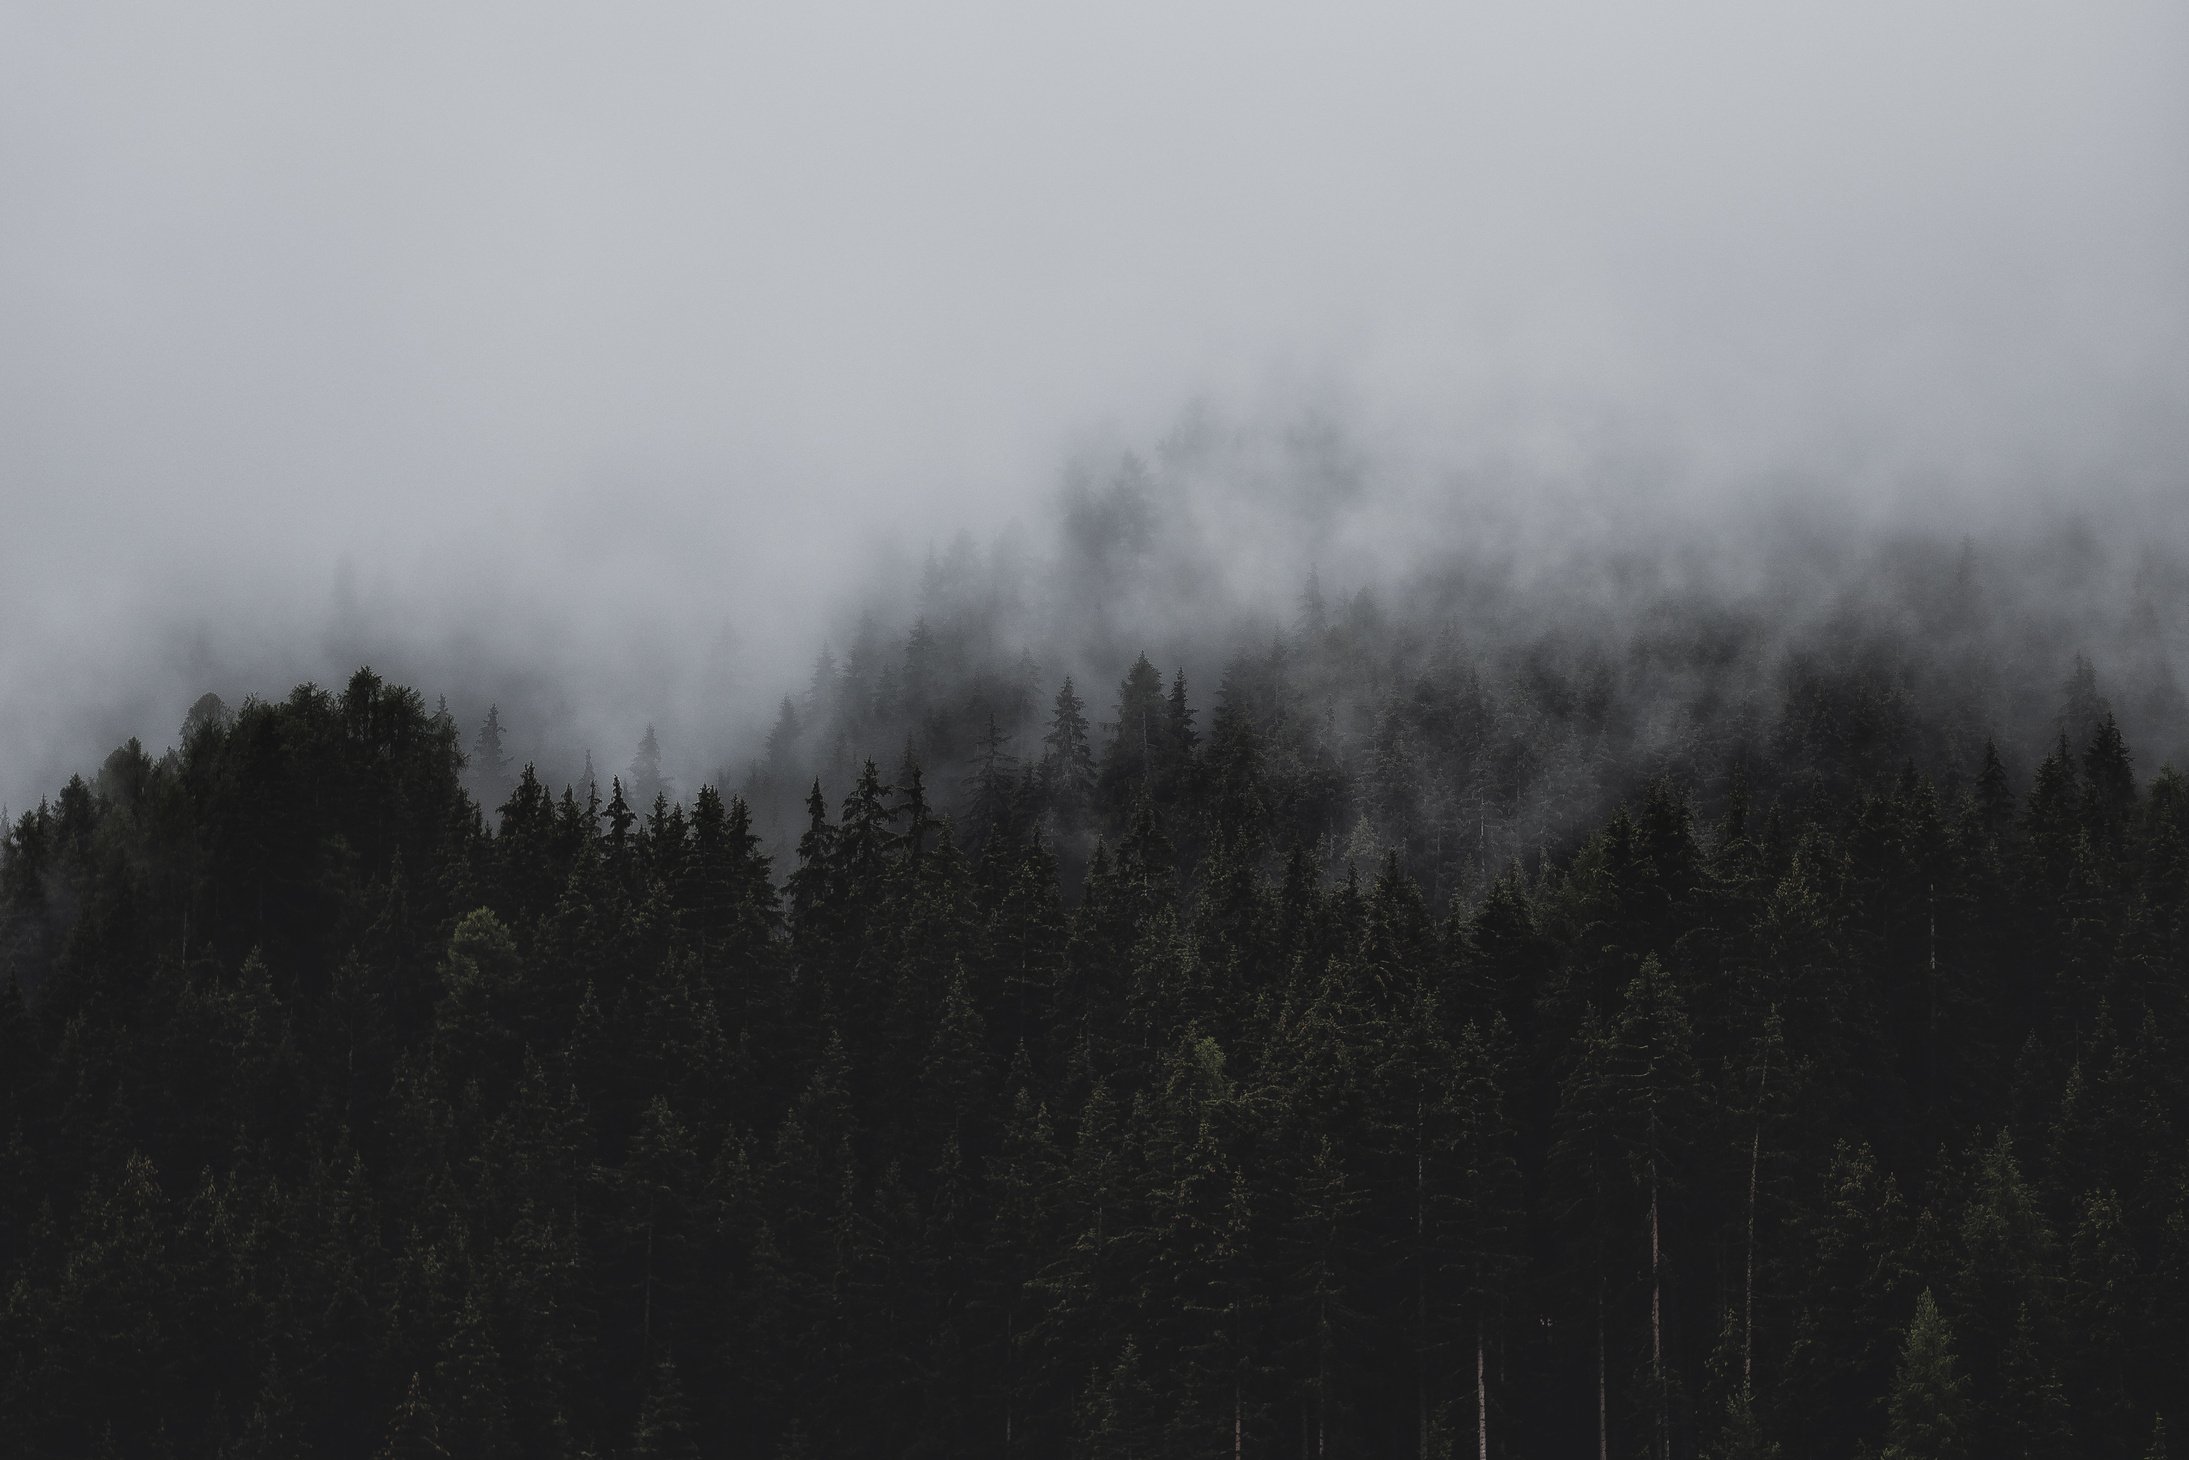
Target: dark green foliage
x,y
1928,1410
1794,1112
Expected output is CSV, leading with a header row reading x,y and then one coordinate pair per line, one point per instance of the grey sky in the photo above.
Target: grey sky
x,y
384,331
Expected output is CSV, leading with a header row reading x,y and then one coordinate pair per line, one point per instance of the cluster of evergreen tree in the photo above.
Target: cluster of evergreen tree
x,y
1785,1111
1467,714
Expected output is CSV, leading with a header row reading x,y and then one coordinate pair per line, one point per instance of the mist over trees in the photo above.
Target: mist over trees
x,y
1471,698
1130,731
1622,1013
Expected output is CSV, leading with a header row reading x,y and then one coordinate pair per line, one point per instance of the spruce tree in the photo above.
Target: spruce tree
x,y
1067,762
990,786
413,1429
1927,1410
1137,738
489,760
1174,763
2109,781
664,1430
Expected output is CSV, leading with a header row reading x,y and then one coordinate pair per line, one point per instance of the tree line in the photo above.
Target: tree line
x,y
1119,1100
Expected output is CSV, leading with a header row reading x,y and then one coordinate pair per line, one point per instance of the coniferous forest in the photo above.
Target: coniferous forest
x,y
981,731
1181,1074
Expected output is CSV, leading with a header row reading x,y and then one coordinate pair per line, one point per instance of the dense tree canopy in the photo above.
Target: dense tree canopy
x,y
1198,1091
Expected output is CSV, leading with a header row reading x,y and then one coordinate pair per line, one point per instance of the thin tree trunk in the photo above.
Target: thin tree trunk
x,y
1603,1423
1322,1376
1482,1400
1748,1278
1238,1421
1657,1316
1421,1292
646,1321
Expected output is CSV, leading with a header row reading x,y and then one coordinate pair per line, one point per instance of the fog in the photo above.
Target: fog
x,y
602,363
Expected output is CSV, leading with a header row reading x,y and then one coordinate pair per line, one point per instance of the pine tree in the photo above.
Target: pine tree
x,y
1026,1178
1586,1177
2034,1409
1994,793
489,760
2109,780
990,786
812,886
469,1384
1927,1409
2105,1305
1854,1247
2006,1275
1136,742
824,689
1174,762
413,1429
1119,1415
644,772
1067,763
1488,1200
919,817
1314,617
1660,1089
783,741
865,839
2082,707
664,1430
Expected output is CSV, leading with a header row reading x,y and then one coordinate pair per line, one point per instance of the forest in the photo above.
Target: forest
x,y
1415,1047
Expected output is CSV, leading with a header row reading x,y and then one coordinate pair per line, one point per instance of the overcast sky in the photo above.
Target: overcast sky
x,y
333,332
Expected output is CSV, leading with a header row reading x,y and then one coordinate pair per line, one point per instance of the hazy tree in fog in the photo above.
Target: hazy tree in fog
x,y
1314,611
209,711
489,761
1067,762
822,686
991,784
644,772
783,739
1136,738
921,668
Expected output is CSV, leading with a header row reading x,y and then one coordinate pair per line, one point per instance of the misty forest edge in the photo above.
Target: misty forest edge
x,y
1475,1084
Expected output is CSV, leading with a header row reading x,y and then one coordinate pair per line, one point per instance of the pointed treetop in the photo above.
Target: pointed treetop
x,y
487,752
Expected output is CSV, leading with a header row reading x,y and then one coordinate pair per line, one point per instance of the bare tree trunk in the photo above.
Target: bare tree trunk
x,y
1603,1423
1748,1279
1657,1317
1421,1287
1482,1400
1238,1421
1322,1376
646,1321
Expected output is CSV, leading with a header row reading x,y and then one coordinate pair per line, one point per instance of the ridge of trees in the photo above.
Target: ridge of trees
x,y
1811,1107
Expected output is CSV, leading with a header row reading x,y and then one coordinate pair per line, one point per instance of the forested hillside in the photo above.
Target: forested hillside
x,y
1206,1079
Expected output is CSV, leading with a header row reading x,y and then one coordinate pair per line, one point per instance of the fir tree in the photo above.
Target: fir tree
x,y
644,772
1067,763
664,1427
413,1429
1926,1411
489,761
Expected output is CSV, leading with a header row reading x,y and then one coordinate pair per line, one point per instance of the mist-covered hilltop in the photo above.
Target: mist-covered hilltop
x,y
1469,678
1728,1016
